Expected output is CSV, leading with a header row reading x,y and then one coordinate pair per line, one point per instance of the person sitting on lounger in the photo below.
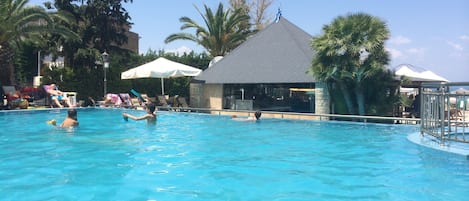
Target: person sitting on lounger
x,y
57,96
112,100
150,116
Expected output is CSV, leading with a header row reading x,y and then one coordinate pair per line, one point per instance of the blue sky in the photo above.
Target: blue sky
x,y
429,34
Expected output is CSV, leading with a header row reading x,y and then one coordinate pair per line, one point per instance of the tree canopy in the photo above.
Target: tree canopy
x,y
223,30
256,9
350,55
19,23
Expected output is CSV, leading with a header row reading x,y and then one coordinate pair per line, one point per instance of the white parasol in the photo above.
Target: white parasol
x,y
418,74
161,68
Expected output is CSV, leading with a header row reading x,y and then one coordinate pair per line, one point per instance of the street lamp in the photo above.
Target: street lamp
x,y
105,57
39,63
37,79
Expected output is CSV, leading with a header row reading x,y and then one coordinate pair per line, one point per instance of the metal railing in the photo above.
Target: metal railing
x,y
445,111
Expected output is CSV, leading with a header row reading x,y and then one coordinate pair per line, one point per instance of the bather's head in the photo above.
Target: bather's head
x,y
258,114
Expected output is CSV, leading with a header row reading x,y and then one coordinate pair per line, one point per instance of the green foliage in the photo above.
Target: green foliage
x,y
350,54
26,66
80,31
100,23
338,100
223,31
20,22
101,26
382,94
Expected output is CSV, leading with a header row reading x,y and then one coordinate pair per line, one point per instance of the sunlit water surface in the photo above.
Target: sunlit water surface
x,y
189,156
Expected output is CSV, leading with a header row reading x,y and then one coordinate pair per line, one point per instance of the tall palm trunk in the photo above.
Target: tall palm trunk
x,y
7,77
347,97
322,98
360,100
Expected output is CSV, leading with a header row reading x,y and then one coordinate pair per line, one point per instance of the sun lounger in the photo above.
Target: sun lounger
x,y
455,114
136,103
14,98
148,99
10,92
138,95
91,102
460,118
126,100
36,96
182,103
162,101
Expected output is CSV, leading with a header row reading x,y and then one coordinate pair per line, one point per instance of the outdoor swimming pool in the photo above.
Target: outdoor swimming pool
x,y
189,156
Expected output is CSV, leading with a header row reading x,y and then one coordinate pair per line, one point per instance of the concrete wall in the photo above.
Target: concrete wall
x,y
213,96
206,96
322,103
196,95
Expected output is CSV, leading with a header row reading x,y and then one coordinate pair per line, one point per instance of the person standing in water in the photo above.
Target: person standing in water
x,y
150,116
257,116
70,121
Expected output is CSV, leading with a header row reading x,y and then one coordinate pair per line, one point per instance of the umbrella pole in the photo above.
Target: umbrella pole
x,y
162,86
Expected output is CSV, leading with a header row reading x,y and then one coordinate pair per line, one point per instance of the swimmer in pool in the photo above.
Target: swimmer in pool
x,y
70,121
150,116
257,117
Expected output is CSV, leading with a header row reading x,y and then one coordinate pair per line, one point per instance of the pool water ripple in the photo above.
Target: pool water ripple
x,y
206,157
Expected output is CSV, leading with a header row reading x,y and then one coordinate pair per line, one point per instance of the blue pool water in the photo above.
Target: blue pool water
x,y
189,156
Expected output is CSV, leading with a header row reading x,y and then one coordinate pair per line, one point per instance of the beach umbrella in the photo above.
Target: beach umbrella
x,y
461,91
160,68
418,74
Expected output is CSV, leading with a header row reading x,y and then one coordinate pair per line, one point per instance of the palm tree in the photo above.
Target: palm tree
x,y
349,52
223,31
256,9
16,22
19,22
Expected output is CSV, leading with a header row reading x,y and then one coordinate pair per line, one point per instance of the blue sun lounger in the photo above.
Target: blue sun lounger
x,y
138,95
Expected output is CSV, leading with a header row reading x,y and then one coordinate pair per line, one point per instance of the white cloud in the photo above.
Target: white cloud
x,y
465,38
399,40
416,51
456,55
417,54
455,46
181,50
394,53
411,53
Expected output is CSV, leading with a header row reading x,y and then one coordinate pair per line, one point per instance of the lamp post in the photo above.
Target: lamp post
x,y
105,56
39,63
37,79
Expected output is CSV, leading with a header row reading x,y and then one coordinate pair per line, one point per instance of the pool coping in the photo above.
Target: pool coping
x,y
265,114
434,143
